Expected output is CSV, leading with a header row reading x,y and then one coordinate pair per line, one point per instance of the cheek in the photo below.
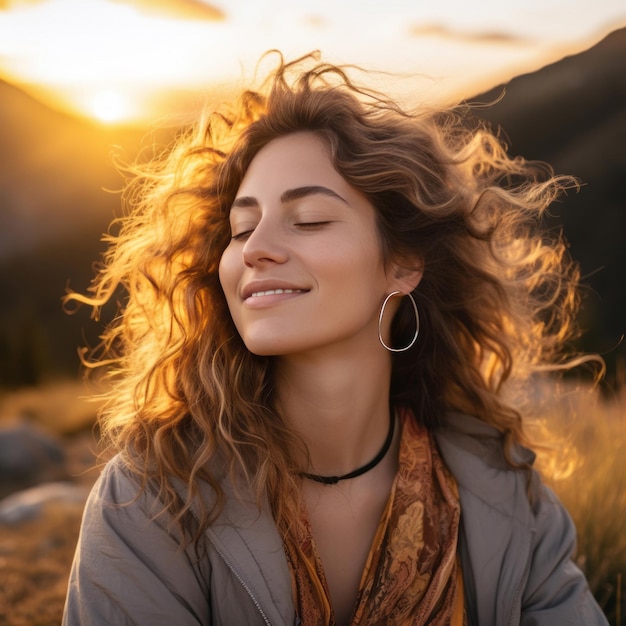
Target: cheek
x,y
228,273
359,263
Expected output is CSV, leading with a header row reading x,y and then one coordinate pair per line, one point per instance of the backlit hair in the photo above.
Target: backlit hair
x,y
497,299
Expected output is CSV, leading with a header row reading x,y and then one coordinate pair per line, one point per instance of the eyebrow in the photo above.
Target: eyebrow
x,y
289,195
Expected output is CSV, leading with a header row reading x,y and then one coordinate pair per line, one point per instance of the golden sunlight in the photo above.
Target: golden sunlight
x,y
110,106
104,59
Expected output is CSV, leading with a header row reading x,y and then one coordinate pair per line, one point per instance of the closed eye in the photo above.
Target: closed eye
x,y
311,225
242,235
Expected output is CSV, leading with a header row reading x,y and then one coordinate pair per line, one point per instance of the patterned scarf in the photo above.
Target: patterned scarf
x,y
412,575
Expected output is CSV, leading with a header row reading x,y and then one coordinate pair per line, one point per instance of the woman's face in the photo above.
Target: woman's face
x,y
304,271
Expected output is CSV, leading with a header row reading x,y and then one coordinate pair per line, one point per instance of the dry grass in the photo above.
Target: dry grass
x,y
35,556
35,559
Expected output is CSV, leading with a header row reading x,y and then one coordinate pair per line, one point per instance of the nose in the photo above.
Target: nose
x,y
266,244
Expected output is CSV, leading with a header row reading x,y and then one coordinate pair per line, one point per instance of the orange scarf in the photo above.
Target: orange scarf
x,y
412,575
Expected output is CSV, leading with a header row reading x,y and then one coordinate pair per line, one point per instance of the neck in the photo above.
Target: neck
x,y
363,469
340,409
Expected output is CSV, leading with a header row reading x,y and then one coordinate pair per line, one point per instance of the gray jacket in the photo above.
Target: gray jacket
x,y
517,567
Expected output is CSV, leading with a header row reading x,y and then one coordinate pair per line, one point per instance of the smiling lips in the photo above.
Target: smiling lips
x,y
268,288
261,298
274,292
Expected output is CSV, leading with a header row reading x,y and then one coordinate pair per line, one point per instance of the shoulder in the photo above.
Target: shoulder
x,y
117,484
128,565
119,497
474,453
125,515
529,542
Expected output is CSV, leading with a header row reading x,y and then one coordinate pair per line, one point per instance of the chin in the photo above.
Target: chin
x,y
279,347
264,347
275,341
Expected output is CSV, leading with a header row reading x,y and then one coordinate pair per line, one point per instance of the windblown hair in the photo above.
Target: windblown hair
x,y
497,299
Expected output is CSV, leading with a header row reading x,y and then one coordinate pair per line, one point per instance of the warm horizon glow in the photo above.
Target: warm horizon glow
x,y
110,106
119,61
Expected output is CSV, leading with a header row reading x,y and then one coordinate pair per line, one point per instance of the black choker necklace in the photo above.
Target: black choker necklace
x,y
333,480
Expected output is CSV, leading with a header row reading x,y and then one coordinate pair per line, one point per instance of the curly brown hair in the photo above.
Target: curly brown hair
x,y
497,299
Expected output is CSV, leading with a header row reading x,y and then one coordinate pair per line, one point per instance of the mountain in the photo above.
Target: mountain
x,y
572,115
54,207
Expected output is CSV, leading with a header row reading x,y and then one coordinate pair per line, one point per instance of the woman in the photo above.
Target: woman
x,y
329,300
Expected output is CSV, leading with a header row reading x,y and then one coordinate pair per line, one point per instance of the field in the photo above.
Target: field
x,y
583,457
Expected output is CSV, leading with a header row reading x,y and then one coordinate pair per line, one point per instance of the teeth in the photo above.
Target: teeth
x,y
273,292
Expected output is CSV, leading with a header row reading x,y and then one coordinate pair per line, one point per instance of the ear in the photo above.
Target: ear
x,y
406,274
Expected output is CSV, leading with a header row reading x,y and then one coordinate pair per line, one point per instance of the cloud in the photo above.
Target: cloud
x,y
177,9
481,37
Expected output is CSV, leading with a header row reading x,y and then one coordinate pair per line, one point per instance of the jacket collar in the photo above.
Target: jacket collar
x,y
247,540
497,520
472,451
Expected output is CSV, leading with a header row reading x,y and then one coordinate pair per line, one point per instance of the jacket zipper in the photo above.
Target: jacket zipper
x,y
517,600
243,584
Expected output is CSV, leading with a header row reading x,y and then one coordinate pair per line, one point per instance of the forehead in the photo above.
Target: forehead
x,y
295,160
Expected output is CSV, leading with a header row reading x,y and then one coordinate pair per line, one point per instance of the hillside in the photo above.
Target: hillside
x,y
572,114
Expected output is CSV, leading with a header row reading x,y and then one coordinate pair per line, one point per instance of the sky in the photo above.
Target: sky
x,y
131,60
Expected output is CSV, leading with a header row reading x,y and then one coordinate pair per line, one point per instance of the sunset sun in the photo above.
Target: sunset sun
x,y
109,106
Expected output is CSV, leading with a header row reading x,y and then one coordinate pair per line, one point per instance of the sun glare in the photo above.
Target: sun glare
x,y
109,106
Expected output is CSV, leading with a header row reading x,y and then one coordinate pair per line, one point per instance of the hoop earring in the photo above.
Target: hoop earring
x,y
380,322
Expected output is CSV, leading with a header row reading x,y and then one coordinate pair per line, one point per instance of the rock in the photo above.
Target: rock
x,y
28,456
28,504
